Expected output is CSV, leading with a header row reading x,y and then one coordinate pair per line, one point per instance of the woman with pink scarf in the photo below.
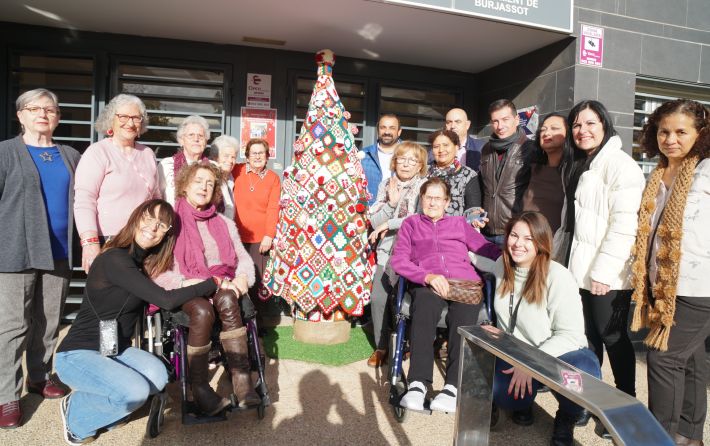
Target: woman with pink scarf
x,y
208,245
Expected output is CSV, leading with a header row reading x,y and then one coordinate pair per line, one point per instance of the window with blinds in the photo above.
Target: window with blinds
x,y
420,111
650,94
72,80
170,95
352,95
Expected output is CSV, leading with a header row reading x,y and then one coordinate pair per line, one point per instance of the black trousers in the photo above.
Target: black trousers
x,y
426,312
677,378
606,325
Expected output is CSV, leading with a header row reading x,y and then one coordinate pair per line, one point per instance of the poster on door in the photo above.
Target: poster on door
x,y
258,123
591,46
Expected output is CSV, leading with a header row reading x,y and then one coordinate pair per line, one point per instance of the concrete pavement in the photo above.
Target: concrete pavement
x,y
313,405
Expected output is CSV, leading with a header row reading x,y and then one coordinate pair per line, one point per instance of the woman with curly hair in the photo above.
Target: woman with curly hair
x,y
208,245
114,176
672,265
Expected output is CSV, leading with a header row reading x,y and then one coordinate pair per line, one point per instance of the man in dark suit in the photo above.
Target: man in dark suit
x,y
469,153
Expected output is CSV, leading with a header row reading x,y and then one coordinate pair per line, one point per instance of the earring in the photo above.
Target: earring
x,y
109,132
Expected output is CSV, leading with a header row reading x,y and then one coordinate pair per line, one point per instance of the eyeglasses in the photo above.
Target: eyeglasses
x,y
152,222
124,118
434,200
35,110
197,136
407,161
255,154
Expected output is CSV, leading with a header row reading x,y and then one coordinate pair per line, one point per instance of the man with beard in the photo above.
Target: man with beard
x,y
376,162
469,153
505,168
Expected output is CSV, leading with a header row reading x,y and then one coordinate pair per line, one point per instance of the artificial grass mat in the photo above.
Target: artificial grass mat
x,y
279,344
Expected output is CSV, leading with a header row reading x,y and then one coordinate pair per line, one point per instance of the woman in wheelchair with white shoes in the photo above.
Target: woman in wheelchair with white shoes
x,y
431,252
538,302
109,378
208,245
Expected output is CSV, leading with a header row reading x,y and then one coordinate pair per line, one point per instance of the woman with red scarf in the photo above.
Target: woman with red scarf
x,y
208,245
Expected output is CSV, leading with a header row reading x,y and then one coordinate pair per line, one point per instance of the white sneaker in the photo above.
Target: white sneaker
x,y
445,401
414,398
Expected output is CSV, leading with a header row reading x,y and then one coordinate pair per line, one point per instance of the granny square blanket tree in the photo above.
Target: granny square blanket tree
x,y
321,262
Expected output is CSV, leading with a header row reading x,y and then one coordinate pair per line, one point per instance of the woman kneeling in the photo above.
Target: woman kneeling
x,y
110,379
537,302
208,245
431,250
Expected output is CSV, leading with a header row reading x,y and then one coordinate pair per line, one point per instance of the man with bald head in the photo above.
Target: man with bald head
x,y
469,153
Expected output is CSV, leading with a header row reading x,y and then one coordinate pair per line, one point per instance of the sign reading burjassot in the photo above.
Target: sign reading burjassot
x,y
554,15
258,90
591,46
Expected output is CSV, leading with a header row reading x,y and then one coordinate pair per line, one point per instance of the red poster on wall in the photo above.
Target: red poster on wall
x,y
258,123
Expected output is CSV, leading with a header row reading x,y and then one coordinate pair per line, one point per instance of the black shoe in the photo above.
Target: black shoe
x,y
543,389
563,430
495,416
583,418
601,431
523,417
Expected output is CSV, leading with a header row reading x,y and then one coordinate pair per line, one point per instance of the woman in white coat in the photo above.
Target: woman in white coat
x,y
606,184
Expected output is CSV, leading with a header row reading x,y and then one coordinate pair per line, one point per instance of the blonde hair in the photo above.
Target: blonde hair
x,y
419,153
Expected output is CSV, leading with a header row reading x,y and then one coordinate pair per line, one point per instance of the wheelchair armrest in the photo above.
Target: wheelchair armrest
x,y
178,317
481,263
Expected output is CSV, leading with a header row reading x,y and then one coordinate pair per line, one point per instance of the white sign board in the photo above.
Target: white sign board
x,y
258,90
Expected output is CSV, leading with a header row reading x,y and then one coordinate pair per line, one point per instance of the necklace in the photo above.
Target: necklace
x,y
251,185
46,157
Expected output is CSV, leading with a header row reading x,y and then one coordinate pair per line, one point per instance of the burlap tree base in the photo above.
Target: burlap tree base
x,y
322,333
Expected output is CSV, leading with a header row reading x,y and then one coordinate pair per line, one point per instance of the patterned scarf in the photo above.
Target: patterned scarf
x,y
444,172
408,196
659,315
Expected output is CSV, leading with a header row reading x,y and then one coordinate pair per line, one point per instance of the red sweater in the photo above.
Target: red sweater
x,y
256,212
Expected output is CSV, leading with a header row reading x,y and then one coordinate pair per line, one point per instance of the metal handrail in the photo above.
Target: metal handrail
x,y
627,420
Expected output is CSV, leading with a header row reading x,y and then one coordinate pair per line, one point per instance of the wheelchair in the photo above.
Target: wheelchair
x,y
164,334
398,338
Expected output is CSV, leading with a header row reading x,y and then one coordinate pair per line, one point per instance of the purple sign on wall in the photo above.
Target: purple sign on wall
x,y
591,46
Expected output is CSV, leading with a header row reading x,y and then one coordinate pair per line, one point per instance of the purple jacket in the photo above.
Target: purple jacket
x,y
424,247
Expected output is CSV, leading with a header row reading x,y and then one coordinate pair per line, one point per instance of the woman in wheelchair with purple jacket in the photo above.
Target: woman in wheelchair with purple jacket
x,y
208,245
432,249
109,378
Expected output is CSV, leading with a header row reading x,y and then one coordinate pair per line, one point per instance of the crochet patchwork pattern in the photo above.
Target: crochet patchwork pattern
x,y
321,262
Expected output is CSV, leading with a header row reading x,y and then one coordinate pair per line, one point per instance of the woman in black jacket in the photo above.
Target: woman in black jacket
x,y
109,378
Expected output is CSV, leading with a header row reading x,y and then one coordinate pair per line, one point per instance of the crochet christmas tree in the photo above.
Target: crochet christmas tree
x,y
321,262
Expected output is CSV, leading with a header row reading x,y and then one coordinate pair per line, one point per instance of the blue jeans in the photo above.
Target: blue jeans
x,y
584,359
105,390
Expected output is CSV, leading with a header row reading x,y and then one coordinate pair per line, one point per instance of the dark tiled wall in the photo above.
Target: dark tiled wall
x,y
544,77
657,38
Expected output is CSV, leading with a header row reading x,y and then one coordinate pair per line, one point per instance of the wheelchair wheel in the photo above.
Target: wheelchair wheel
x,y
156,415
396,392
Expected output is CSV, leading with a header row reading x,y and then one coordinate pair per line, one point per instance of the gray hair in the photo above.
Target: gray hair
x,y
193,119
29,96
222,142
105,120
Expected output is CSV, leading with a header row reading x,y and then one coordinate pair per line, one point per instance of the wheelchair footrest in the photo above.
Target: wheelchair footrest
x,y
192,415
